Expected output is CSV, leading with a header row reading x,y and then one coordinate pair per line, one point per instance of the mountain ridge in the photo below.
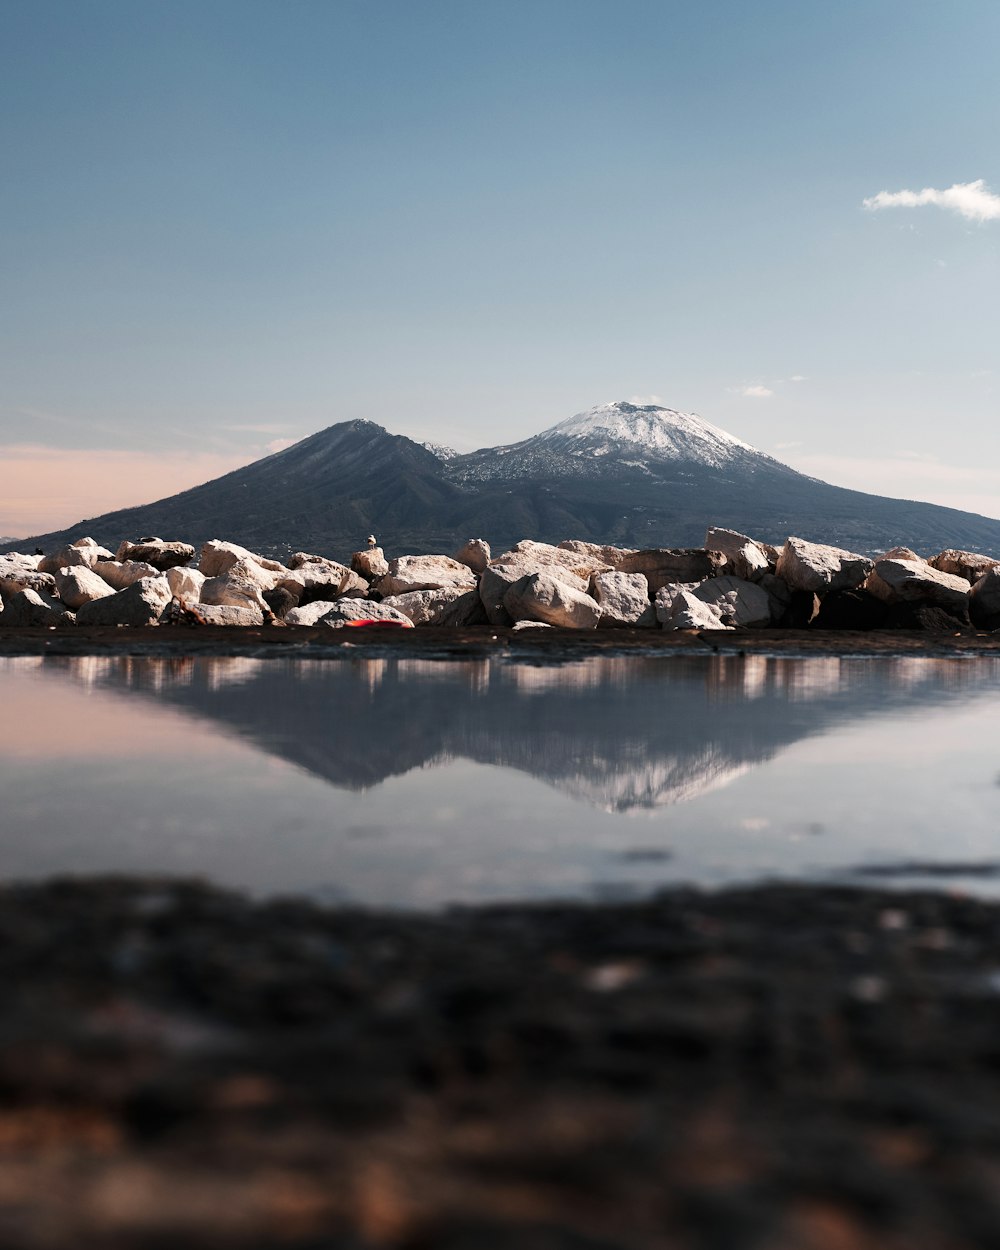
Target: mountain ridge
x,y
622,473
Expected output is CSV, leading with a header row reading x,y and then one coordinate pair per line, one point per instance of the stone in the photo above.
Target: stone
x,y
227,614
519,626
280,601
79,585
624,600
746,558
532,557
437,607
778,594
984,601
682,609
666,566
309,614
161,555
347,610
850,609
899,553
748,605
967,564
370,564
424,573
141,603
818,568
68,558
474,554
19,572
914,581
542,597
803,605
217,557
494,582
465,610
241,586
310,571
598,554
186,583
121,573
31,608
931,618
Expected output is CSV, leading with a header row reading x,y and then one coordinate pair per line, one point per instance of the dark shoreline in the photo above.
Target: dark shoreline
x,y
800,1067
544,645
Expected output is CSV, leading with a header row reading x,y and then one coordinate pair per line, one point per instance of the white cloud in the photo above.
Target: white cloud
x,y
642,400
755,392
797,377
972,200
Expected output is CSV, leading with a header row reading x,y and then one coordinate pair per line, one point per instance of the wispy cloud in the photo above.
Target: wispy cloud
x,y
972,200
645,399
755,391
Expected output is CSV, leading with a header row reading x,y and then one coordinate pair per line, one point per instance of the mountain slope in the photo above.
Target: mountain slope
x,y
638,476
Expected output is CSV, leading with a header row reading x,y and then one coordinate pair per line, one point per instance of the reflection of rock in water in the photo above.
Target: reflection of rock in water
x,y
621,733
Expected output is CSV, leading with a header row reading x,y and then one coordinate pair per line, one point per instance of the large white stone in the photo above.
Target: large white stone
x,y
679,608
624,599
241,586
543,597
532,557
320,572
347,610
818,568
967,564
19,572
122,573
218,556
140,604
747,604
424,573
31,608
226,614
161,555
746,558
598,555
475,554
310,614
68,558
984,600
449,606
665,566
370,563
80,585
914,581
186,583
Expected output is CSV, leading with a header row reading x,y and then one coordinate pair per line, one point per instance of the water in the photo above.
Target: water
x,y
415,783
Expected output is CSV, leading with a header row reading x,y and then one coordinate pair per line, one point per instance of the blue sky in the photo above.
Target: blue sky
x,y
225,225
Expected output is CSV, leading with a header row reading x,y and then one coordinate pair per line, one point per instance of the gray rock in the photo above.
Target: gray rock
x,y
532,557
370,564
348,610
310,614
778,595
818,568
161,555
142,603
68,558
424,573
598,554
542,597
748,605
218,557
31,608
682,609
624,600
967,564
437,607
80,585
186,583
121,573
241,586
914,581
475,554
984,601
667,566
219,614
746,558
19,572
494,582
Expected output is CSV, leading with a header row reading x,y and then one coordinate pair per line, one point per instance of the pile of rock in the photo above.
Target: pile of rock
x,y
732,582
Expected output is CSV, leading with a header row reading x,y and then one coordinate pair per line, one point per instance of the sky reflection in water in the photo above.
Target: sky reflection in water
x,y
415,783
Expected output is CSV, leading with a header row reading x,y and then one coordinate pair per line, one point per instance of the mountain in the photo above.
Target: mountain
x,y
634,475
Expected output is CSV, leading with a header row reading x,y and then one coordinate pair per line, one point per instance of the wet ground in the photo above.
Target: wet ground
x,y
789,1067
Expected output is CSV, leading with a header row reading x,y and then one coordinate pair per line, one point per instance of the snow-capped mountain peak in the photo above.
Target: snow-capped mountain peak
x,y
644,430
441,450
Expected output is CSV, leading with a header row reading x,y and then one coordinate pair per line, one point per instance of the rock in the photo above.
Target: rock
x,y
598,554
309,572
68,558
778,594
225,614
819,569
532,557
439,607
474,554
850,609
914,581
520,626
668,566
19,572
186,583
119,574
682,609
984,601
310,614
31,608
424,573
347,610
931,618
218,557
280,601
900,553
142,603
370,564
624,600
161,555
801,611
967,564
241,586
747,559
542,597
80,585
747,605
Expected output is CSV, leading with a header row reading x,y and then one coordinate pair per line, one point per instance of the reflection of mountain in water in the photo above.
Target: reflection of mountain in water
x,y
623,734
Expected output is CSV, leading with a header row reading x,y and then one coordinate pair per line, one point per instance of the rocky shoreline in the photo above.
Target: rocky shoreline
x,y
787,1066
732,583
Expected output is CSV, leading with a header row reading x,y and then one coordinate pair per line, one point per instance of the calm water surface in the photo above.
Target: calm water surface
x,y
417,783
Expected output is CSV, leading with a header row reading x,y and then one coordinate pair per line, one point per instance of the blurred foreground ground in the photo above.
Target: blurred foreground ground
x,y
786,1068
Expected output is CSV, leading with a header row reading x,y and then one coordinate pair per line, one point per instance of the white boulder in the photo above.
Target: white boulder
x,y
984,600
19,572
624,599
679,608
424,573
33,608
746,558
122,573
68,558
79,585
543,597
347,610
161,555
748,605
310,614
818,568
185,583
370,564
475,554
241,586
218,557
967,564
914,581
141,603
227,614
